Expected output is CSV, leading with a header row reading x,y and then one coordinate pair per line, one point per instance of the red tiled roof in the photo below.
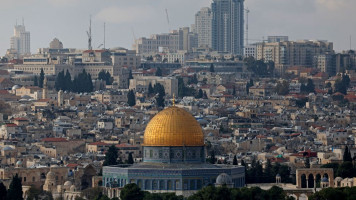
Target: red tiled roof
x,y
54,140
321,74
11,125
124,145
4,92
98,143
72,165
20,119
320,91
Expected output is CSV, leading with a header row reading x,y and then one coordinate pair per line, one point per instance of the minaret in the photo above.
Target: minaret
x,y
60,98
45,89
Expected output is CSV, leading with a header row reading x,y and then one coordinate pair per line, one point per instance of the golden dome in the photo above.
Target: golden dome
x,y
173,127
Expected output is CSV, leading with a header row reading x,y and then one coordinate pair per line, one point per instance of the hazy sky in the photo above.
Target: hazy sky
x,y
68,20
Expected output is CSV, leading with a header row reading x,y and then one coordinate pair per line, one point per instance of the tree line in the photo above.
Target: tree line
x,y
81,83
133,192
256,174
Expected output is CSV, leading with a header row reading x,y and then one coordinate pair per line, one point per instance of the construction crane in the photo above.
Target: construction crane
x,y
89,36
169,27
247,12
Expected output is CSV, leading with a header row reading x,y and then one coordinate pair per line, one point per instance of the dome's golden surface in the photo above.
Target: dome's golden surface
x,y
173,127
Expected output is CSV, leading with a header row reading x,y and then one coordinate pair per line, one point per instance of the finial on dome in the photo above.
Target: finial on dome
x,y
174,100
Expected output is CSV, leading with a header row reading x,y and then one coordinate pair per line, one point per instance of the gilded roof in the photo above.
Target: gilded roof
x,y
173,127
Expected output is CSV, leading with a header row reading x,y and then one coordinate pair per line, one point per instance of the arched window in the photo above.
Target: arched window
x,y
33,179
155,185
169,185
147,185
162,185
177,184
139,184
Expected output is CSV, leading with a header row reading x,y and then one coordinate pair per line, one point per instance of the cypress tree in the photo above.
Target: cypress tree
x,y
15,189
212,157
109,79
212,69
234,162
40,82
130,159
131,99
347,155
158,72
102,75
150,89
111,156
3,191
90,83
200,94
67,81
59,83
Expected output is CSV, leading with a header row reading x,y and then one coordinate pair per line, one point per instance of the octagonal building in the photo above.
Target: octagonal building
x,y
173,159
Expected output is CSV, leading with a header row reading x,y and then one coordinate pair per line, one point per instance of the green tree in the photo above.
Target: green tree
x,y
346,170
212,68
15,189
131,192
207,193
150,89
3,191
234,161
33,193
159,90
109,79
102,75
130,159
308,88
35,81
59,82
131,98
347,155
200,94
193,79
67,82
282,88
268,172
83,82
111,156
41,79
328,194
158,72
212,158
248,85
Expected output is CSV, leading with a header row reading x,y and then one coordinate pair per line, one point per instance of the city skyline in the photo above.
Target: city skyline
x,y
304,19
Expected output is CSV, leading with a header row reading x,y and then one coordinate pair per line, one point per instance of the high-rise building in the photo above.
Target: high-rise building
x,y
228,26
202,26
21,40
181,39
291,53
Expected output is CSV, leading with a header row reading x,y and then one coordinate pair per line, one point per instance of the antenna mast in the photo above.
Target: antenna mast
x,y
89,36
104,36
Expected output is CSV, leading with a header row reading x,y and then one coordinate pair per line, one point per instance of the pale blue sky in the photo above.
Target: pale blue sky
x,y
332,20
